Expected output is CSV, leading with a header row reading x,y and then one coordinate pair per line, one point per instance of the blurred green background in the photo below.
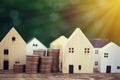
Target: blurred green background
x,y
33,18
49,19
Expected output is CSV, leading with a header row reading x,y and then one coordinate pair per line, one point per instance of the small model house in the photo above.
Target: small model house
x,y
97,44
12,49
109,59
78,54
34,44
59,43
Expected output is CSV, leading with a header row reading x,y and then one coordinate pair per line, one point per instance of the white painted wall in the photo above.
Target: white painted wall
x,y
113,58
96,57
30,46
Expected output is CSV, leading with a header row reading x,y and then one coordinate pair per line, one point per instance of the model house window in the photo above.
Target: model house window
x,y
87,50
79,67
6,52
13,38
118,67
35,45
105,55
96,63
96,51
71,50
17,62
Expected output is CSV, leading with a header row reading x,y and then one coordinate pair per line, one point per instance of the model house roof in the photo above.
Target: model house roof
x,y
60,40
35,40
99,43
12,33
78,34
109,45
32,40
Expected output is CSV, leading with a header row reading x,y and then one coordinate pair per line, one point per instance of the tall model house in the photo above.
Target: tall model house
x,y
12,49
110,58
34,44
59,43
78,54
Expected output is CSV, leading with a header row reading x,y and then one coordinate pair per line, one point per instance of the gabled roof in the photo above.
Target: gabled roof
x,y
35,39
60,40
99,43
78,35
109,45
11,33
78,32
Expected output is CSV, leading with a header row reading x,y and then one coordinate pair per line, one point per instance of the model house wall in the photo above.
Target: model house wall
x,y
78,54
12,49
109,59
59,43
98,44
34,44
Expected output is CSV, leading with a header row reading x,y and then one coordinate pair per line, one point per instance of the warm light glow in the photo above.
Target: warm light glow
x,y
97,18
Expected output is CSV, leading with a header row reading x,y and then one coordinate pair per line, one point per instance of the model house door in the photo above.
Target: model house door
x,y
108,69
6,65
71,69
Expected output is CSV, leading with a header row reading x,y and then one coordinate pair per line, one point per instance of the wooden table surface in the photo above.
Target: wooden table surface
x,y
9,75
